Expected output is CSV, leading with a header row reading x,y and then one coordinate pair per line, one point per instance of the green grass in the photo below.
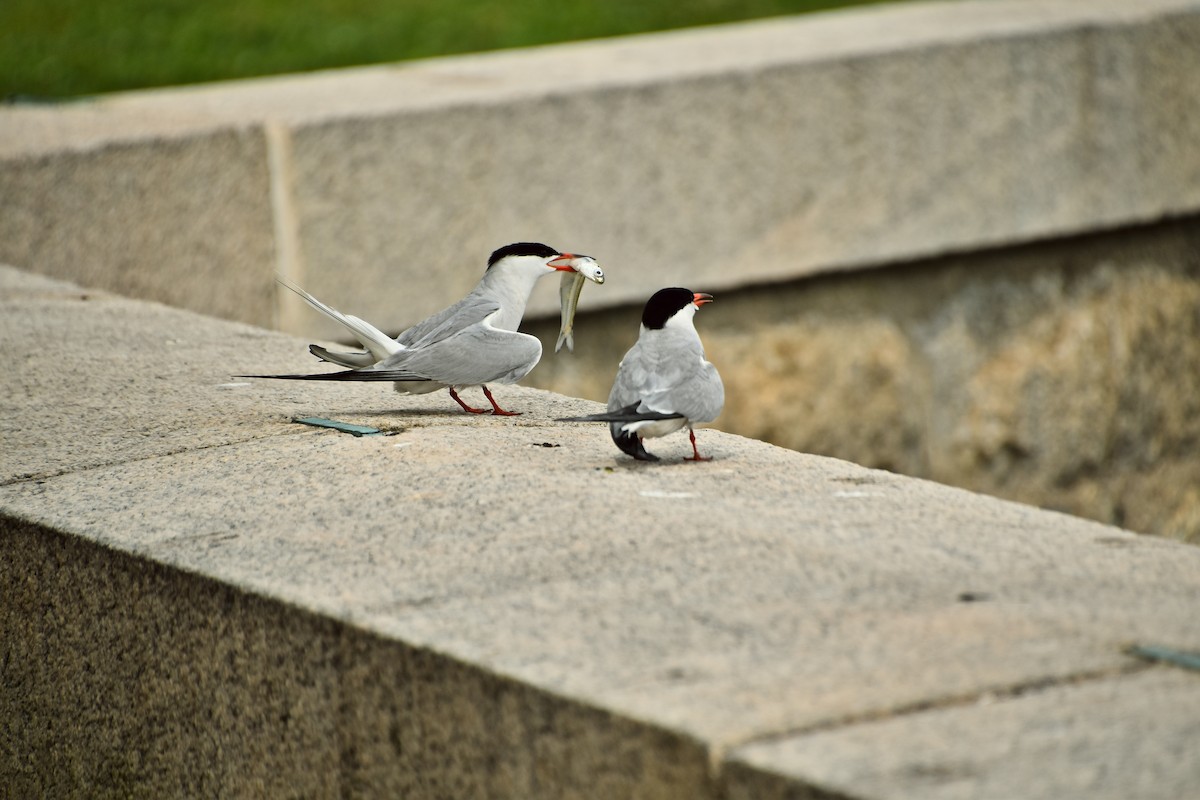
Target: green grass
x,y
66,48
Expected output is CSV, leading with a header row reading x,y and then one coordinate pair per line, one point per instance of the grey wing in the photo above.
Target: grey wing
x,y
628,385
689,386
700,396
476,354
471,310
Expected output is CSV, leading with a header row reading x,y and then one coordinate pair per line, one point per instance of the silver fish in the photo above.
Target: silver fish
x,y
587,267
569,289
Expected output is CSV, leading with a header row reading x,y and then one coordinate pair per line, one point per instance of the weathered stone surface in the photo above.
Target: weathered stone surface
x,y
1062,374
185,221
203,598
1125,734
722,159
1094,405
734,156
779,166
126,678
800,384
162,349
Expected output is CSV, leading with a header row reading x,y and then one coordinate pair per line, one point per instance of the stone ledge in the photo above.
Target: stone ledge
x,y
1062,374
725,157
1075,741
205,597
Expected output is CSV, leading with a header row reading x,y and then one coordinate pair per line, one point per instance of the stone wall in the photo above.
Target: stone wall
x,y
736,155
201,598
812,171
1064,374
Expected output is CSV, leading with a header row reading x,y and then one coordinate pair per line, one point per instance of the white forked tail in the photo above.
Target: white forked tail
x,y
379,345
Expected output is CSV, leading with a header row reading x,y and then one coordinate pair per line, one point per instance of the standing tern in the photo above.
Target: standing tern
x,y
472,343
664,382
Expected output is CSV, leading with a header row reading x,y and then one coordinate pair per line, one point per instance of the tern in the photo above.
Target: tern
x,y
472,343
663,383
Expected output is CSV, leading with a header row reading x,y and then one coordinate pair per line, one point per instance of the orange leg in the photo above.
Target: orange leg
x,y
497,410
695,453
466,407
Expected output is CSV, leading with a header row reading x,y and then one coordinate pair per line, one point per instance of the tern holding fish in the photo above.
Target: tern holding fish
x,y
474,342
663,383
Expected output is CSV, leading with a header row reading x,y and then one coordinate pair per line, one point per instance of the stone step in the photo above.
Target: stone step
x,y
203,597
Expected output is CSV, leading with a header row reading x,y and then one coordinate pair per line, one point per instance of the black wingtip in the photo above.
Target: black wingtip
x,y
322,376
627,414
347,375
631,444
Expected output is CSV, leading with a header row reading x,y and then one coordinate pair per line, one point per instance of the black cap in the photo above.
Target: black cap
x,y
523,249
664,304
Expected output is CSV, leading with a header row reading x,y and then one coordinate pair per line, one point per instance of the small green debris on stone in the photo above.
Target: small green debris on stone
x,y
1178,658
344,427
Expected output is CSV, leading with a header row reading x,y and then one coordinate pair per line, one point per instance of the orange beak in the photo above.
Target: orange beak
x,y
562,263
700,298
